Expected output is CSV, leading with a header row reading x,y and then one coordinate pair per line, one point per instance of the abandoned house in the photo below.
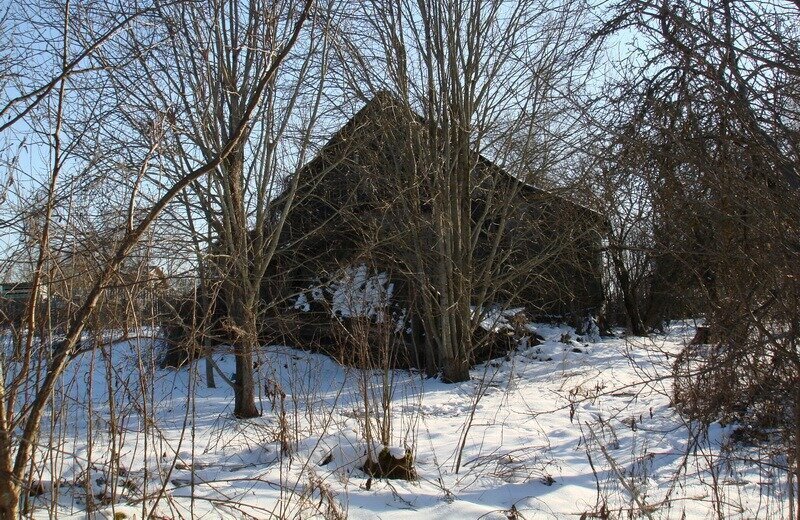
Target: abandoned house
x,y
346,250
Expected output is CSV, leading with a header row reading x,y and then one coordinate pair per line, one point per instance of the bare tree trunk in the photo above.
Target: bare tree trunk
x,y
209,364
9,489
244,392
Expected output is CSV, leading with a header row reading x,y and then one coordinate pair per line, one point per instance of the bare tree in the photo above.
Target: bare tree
x,y
23,400
201,83
617,178
716,120
473,79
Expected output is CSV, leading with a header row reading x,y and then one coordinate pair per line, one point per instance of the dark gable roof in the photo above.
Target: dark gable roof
x,y
384,101
381,102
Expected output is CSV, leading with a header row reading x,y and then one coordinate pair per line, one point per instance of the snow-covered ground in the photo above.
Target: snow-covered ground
x,y
566,429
